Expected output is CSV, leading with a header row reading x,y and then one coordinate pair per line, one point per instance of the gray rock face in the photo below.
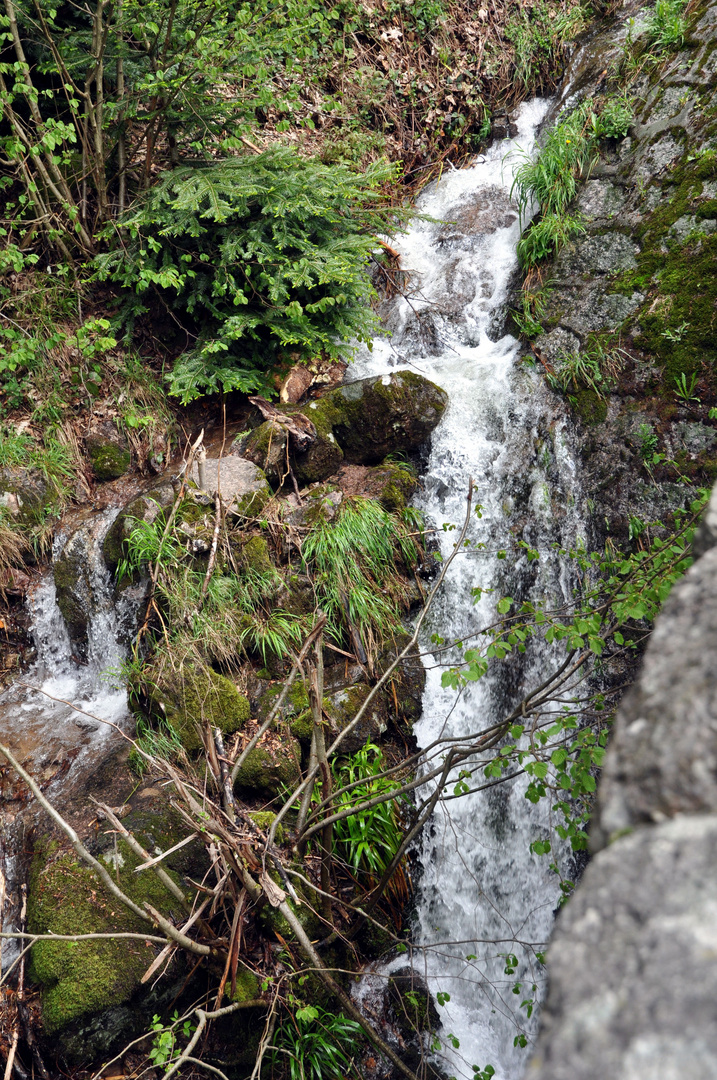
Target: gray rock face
x,y
662,759
633,961
633,964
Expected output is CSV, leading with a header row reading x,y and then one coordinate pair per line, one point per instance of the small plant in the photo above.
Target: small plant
x,y
367,841
675,334
533,306
666,26
686,390
647,442
319,1045
164,1046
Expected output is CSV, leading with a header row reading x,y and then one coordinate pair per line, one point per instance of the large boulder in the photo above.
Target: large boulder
x,y
632,971
362,422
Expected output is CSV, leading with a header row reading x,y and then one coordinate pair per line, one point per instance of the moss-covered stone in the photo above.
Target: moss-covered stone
x,y
264,819
109,461
25,493
343,705
255,554
265,446
66,897
246,988
267,771
368,419
196,696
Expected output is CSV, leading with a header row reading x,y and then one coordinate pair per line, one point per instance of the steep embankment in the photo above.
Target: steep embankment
x,y
626,311
631,966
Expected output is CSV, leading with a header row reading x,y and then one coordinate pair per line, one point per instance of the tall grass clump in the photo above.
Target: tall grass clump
x,y
354,562
666,26
367,842
551,176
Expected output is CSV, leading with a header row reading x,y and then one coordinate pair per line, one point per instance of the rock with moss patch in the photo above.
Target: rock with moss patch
x,y
371,418
318,504
146,507
194,697
267,770
24,493
243,485
109,455
343,705
78,979
265,447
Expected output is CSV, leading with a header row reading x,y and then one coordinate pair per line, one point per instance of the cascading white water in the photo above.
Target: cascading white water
x,y
481,887
57,743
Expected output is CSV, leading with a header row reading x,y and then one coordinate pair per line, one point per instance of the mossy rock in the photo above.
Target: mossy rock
x,y
343,705
267,772
194,697
371,418
408,680
318,504
25,493
145,507
264,819
78,979
109,461
247,986
255,554
265,447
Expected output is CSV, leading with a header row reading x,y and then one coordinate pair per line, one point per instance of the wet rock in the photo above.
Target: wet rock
x,y
364,421
108,452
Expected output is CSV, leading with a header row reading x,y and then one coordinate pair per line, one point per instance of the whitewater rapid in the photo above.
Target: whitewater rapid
x,y
483,895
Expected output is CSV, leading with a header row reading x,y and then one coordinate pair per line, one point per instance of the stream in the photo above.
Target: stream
x,y
482,893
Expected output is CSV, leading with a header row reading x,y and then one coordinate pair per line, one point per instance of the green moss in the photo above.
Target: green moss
x,y
109,461
197,695
255,554
80,978
247,986
591,408
251,504
264,819
266,771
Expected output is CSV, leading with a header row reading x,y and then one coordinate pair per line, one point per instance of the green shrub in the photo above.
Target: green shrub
x,y
264,256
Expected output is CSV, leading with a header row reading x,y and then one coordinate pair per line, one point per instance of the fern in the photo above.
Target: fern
x,y
265,255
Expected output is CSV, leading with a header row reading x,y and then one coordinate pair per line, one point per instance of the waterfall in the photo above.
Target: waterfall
x,y
480,885
60,744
